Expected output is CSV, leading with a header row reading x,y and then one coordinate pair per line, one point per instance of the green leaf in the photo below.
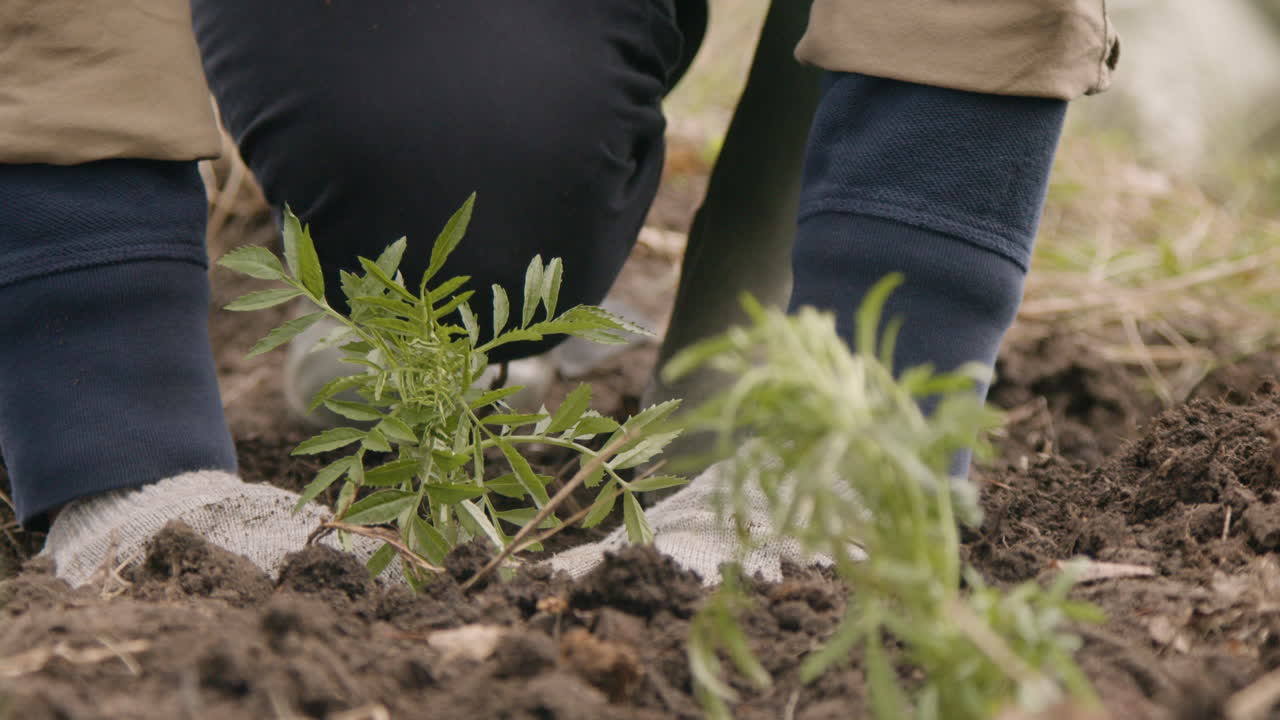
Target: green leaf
x,y
570,411
501,309
392,473
593,423
377,442
871,310
396,429
389,260
643,451
524,474
329,440
522,516
452,493
887,699
256,262
359,412
262,299
551,285
427,541
385,280
333,387
380,560
300,254
659,482
284,333
327,475
479,523
446,288
602,506
638,530
508,486
532,289
454,303
493,396
449,237
381,507
470,323
513,419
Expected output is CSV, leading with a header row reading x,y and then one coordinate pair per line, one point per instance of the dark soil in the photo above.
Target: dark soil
x,y
1087,466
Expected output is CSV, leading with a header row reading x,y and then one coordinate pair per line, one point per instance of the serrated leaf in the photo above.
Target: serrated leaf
x,y
256,262
452,493
353,410
493,396
446,288
602,506
593,424
377,442
284,333
300,254
570,411
454,303
329,440
522,516
470,323
392,473
394,305
524,474
659,482
324,478
551,285
393,325
380,560
389,260
331,388
480,523
638,530
512,419
262,299
506,486
643,451
449,237
381,507
532,289
396,429
501,309
385,280
427,541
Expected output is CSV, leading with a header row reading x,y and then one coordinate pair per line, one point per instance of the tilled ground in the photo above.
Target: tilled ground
x,y
1086,467
196,632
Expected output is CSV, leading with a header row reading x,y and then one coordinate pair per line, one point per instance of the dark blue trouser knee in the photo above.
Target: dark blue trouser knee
x,y
942,185
106,372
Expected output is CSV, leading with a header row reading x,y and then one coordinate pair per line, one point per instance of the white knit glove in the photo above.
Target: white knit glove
x,y
685,527
256,521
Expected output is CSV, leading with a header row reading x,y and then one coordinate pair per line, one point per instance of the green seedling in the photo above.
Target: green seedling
x,y
849,461
416,406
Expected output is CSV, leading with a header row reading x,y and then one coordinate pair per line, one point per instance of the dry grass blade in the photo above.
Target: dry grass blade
x,y
578,478
36,659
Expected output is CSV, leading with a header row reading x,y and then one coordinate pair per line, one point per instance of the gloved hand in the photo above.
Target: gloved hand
x,y
686,528
256,521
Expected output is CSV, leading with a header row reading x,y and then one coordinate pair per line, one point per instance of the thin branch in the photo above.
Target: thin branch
x,y
377,533
578,478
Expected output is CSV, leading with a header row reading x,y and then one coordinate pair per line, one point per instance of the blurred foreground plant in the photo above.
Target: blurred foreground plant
x,y
850,465
417,399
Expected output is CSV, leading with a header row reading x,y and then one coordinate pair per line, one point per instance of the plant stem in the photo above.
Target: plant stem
x,y
578,478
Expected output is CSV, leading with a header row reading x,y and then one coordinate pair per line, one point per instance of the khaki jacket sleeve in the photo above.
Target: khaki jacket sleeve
x,y
1040,48
88,80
